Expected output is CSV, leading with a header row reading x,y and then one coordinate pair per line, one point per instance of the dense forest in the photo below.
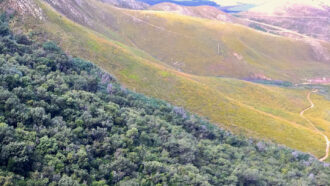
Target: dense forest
x,y
63,121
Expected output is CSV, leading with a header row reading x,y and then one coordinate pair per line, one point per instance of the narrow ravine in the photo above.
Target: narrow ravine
x,y
316,129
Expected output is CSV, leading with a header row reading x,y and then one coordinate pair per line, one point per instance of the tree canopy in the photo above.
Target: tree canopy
x,y
64,121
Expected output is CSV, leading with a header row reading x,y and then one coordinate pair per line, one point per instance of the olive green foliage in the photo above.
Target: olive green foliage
x,y
64,121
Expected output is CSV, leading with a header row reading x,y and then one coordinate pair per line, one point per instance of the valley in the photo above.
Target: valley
x,y
164,92
198,64
64,121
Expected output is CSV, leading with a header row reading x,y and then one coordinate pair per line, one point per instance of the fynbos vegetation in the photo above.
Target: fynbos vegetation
x,y
64,121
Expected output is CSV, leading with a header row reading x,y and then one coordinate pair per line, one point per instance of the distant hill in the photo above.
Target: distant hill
x,y
310,18
131,4
184,2
221,5
207,12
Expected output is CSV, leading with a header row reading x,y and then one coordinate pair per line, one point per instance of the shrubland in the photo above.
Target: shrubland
x,y
64,121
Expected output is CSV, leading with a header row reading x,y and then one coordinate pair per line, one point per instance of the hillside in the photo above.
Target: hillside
x,y
206,12
63,121
131,4
104,36
199,46
309,18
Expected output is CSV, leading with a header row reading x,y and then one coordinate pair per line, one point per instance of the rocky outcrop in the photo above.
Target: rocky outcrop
x,y
23,7
71,9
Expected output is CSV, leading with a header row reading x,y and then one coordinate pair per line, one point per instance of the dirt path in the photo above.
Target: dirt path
x,y
276,28
295,17
316,129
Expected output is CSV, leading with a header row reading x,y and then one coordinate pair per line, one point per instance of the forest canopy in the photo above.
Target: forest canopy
x,y
64,121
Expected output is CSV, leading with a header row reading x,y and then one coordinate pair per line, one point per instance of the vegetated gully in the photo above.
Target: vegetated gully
x,y
314,127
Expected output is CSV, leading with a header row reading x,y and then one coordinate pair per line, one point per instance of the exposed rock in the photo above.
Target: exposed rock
x,y
71,10
320,53
23,7
238,56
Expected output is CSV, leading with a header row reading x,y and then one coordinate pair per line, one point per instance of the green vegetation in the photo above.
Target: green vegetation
x,y
264,112
64,121
257,27
271,82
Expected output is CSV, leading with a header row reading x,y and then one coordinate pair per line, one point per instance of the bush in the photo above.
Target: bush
x,y
64,121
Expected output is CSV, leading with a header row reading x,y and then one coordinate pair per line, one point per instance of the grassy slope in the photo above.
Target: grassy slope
x,y
191,44
320,114
234,104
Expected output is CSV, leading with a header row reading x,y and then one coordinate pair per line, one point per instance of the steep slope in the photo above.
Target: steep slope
x,y
234,104
201,47
63,121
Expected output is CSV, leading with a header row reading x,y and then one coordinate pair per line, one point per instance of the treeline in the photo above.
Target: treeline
x,y
65,122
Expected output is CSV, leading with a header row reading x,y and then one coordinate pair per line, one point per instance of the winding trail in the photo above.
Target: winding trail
x,y
281,29
316,129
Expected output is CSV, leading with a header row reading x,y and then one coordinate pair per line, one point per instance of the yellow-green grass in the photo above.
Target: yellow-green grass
x,y
319,115
283,102
219,99
191,44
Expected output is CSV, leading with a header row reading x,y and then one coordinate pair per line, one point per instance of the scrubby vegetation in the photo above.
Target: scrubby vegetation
x,y
270,82
240,106
64,121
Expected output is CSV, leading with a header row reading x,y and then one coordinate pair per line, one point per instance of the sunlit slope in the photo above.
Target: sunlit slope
x,y
215,98
319,115
283,102
201,46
